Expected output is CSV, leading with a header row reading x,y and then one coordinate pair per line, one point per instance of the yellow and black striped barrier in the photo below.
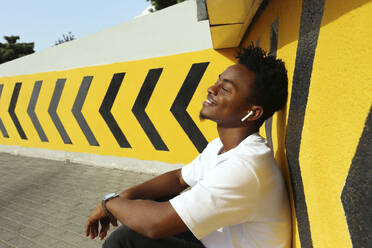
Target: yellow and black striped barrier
x,y
144,109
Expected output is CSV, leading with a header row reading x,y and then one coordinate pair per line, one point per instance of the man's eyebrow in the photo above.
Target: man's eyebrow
x,y
226,80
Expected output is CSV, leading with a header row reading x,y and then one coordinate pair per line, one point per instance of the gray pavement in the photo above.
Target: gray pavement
x,y
45,203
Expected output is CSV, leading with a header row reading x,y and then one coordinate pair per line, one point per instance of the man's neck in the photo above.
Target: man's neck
x,y
232,136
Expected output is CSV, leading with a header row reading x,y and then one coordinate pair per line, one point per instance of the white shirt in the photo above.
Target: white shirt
x,y
237,199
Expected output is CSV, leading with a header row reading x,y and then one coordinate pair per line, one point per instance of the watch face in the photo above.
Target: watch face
x,y
108,196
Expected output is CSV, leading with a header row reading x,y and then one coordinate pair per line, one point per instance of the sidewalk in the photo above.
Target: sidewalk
x,y
45,203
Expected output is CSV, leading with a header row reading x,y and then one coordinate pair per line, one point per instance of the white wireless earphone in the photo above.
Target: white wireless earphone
x,y
248,115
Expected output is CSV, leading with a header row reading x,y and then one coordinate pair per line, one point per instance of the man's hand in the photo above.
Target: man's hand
x,y
142,215
97,216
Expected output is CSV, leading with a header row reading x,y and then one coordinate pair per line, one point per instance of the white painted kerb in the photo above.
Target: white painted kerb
x,y
128,164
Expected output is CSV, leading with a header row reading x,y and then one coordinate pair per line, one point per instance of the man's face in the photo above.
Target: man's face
x,y
227,100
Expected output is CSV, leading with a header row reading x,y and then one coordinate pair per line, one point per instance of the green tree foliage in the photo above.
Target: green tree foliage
x,y
13,50
65,38
161,4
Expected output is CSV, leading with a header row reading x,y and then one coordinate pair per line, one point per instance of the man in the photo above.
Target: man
x,y
237,196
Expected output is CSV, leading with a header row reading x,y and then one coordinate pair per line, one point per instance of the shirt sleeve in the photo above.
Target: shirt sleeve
x,y
191,173
228,195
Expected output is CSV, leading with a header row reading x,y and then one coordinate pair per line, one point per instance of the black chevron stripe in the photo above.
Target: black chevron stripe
x,y
105,110
52,110
140,105
13,103
76,110
183,99
2,127
31,111
273,50
311,18
356,195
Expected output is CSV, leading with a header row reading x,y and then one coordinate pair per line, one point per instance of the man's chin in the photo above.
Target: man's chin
x,y
202,117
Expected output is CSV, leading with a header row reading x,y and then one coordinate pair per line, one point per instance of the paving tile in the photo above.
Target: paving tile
x,y
79,229
46,240
51,231
73,236
89,244
5,223
6,235
29,232
5,245
46,203
64,245
21,242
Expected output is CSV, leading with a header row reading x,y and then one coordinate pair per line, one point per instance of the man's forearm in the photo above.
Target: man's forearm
x,y
149,218
167,184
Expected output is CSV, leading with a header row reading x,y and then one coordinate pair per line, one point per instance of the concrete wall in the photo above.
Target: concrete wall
x,y
144,37
323,138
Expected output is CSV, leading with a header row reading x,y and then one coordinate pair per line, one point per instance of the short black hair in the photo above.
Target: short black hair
x,y
271,83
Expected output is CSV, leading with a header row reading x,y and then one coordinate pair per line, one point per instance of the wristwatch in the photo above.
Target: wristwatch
x,y
105,199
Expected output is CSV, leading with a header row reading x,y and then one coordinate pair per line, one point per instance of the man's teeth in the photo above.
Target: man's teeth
x,y
208,101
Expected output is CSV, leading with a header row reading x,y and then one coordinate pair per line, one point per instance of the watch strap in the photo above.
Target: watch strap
x,y
105,199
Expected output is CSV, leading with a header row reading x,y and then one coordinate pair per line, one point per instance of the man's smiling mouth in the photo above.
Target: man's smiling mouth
x,y
209,102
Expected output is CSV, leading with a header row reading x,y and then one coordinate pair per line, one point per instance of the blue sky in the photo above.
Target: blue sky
x,y
43,21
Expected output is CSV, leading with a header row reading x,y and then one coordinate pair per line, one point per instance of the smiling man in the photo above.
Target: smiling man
x,y
238,196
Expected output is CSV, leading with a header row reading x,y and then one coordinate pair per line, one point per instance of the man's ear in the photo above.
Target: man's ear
x,y
257,112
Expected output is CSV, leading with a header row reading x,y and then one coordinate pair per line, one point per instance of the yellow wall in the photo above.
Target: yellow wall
x,y
175,69
338,103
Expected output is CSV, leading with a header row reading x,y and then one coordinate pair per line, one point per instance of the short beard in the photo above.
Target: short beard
x,y
202,117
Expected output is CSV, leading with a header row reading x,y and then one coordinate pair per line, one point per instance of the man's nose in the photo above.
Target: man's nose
x,y
213,89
